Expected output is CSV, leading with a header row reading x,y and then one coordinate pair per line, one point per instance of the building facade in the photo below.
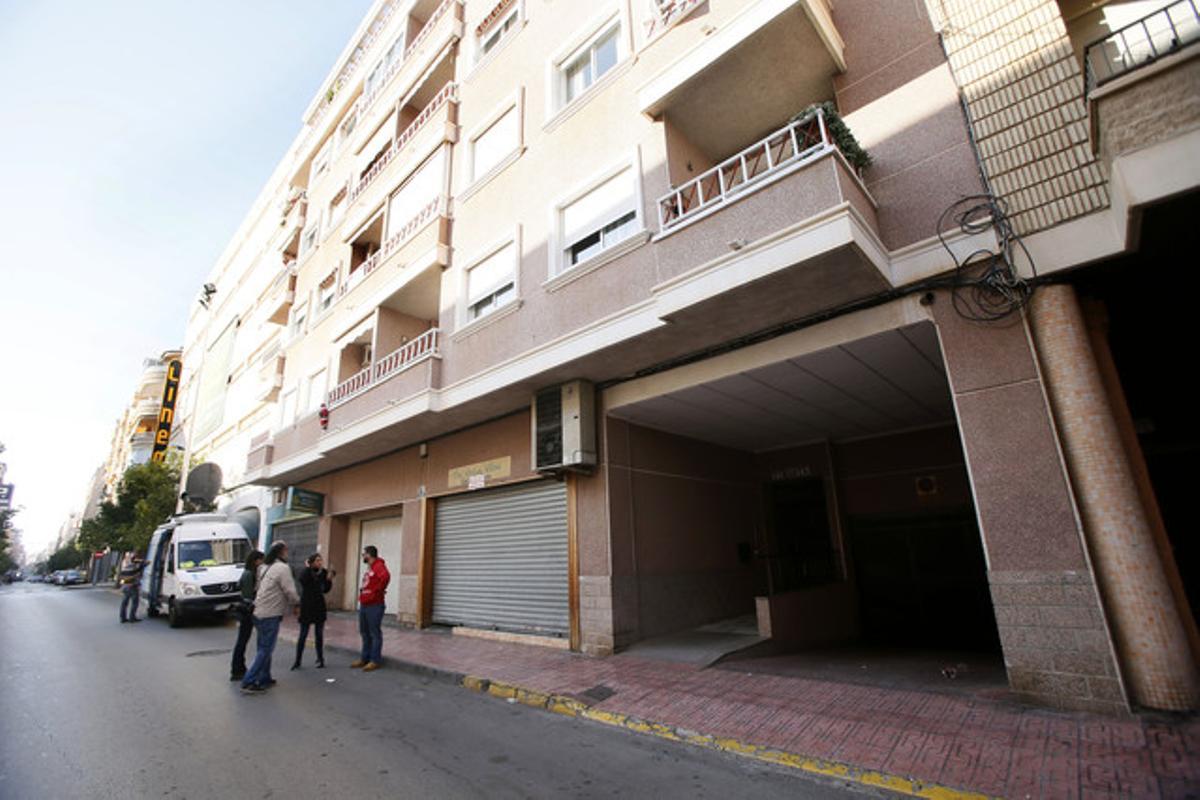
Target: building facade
x,y
602,327
134,433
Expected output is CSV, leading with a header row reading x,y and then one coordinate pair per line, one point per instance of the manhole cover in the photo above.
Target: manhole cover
x,y
598,694
209,653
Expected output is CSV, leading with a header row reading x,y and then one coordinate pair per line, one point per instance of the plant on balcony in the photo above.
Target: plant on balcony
x,y
840,133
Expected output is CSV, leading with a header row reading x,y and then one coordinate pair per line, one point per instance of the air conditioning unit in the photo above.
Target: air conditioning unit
x,y
564,427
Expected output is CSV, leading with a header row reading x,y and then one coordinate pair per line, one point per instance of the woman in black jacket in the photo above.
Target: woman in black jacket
x,y
245,614
315,581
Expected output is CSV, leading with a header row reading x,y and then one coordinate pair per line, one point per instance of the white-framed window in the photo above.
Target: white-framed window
x,y
337,208
347,126
491,281
600,215
314,389
497,26
585,59
498,138
589,65
326,292
394,53
427,183
299,318
287,408
308,239
321,159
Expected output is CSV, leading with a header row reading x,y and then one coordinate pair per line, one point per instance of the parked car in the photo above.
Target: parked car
x,y
72,577
57,576
36,578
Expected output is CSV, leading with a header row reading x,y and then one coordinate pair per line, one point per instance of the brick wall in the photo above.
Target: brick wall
x,y
1024,91
1054,638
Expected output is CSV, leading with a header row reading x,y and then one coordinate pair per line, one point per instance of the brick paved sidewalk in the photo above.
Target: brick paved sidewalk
x,y
964,742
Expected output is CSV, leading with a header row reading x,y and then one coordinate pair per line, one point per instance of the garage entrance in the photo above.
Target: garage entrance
x,y
826,494
501,560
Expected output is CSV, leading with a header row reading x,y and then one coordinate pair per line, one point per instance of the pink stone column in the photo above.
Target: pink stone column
x,y
1149,633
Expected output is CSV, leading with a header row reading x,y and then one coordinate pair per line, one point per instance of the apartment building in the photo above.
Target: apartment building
x,y
596,321
134,433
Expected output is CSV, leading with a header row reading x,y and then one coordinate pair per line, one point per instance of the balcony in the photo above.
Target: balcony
x,y
405,357
443,28
281,294
427,231
436,122
729,90
405,373
1140,86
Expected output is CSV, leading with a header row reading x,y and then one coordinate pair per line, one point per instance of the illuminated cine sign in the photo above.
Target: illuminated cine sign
x,y
166,414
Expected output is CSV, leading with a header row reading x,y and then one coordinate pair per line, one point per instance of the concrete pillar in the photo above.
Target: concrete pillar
x,y
1150,636
1053,631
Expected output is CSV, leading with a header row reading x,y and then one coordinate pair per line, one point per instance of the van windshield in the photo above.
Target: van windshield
x,y
213,553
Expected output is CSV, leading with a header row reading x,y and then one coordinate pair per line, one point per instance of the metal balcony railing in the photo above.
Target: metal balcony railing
x,y
1140,43
795,143
423,347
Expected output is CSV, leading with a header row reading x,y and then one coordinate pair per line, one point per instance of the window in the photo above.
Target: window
x,y
337,208
326,291
348,124
599,219
491,283
587,65
287,408
321,159
314,392
427,183
308,241
493,30
299,315
212,552
394,54
500,139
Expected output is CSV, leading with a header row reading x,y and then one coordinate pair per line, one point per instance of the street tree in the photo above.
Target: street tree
x,y
145,499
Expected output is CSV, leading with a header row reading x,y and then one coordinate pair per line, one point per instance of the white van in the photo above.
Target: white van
x,y
193,566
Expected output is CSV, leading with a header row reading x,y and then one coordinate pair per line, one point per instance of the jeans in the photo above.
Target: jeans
x,y
237,666
370,628
319,630
259,673
130,592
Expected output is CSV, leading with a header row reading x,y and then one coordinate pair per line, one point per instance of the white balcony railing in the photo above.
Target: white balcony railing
x,y
427,213
349,387
366,101
796,143
448,94
407,355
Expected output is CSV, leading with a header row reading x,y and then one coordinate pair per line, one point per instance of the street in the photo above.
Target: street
x,y
93,708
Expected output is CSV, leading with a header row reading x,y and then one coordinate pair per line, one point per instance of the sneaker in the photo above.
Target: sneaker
x,y
124,621
237,676
321,664
370,667
270,682
356,663
253,689
295,667
136,619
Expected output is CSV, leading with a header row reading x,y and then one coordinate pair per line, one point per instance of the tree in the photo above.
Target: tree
x,y
7,534
145,499
66,557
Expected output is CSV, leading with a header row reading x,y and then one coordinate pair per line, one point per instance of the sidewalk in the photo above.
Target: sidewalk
x,y
916,742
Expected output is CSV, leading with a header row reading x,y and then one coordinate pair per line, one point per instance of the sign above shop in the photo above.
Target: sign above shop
x,y
304,501
487,471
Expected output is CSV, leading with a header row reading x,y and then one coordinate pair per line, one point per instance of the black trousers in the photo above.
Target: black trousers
x,y
319,631
237,666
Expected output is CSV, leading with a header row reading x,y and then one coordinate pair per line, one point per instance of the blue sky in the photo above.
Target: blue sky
x,y
134,136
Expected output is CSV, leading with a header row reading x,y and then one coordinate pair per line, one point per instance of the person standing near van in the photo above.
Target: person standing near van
x,y
370,609
275,595
247,585
131,578
315,582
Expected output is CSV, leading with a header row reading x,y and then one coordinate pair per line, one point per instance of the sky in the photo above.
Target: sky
x,y
134,136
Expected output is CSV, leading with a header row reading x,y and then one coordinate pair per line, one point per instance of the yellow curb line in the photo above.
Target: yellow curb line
x,y
570,707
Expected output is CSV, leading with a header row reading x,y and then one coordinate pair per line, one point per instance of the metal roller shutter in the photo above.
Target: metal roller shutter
x,y
301,539
500,560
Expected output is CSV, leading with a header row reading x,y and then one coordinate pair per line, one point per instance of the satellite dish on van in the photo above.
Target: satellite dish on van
x,y
204,483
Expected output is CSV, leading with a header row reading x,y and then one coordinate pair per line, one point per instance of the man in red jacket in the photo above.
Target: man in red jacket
x,y
375,581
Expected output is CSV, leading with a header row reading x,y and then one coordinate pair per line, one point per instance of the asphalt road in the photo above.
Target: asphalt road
x,y
92,708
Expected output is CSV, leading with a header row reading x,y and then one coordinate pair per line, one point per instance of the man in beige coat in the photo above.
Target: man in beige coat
x,y
276,594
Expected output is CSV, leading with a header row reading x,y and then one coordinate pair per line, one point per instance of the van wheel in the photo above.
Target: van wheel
x,y
174,616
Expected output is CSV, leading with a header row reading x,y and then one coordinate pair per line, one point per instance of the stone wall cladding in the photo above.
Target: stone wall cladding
x,y
1056,646
595,615
1024,90
1151,110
